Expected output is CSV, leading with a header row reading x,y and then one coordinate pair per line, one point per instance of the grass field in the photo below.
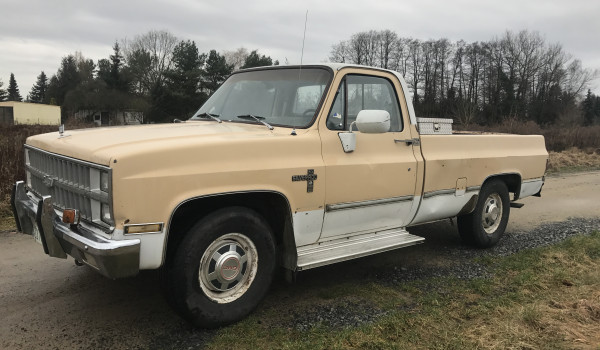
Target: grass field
x,y
546,298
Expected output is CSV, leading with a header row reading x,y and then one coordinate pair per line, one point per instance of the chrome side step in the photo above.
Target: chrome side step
x,y
325,253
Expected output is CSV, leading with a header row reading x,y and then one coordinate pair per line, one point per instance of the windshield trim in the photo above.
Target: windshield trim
x,y
319,106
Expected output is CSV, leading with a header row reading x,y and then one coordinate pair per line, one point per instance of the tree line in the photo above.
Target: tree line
x,y
155,73
518,76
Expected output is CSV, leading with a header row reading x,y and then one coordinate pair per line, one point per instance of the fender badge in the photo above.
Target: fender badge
x,y
310,178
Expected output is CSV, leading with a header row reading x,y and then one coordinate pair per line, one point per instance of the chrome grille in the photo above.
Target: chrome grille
x,y
68,181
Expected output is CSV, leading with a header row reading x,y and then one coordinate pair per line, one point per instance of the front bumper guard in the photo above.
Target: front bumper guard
x,y
34,216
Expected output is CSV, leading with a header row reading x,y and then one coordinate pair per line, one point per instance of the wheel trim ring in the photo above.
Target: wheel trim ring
x,y
211,276
492,213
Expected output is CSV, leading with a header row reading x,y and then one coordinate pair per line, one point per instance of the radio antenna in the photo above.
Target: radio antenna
x,y
303,39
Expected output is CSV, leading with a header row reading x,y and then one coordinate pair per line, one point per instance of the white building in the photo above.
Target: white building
x,y
12,112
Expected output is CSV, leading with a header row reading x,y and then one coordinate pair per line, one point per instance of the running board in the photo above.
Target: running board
x,y
343,249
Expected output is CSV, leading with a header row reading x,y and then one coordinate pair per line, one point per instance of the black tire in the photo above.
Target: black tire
x,y
222,268
483,227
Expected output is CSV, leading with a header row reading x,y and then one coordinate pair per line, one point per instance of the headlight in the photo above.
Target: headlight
x,y
105,214
104,181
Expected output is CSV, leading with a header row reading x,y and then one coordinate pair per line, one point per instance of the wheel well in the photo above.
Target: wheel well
x,y
273,207
512,182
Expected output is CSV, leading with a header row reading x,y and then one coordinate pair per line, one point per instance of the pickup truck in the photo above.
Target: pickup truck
x,y
290,166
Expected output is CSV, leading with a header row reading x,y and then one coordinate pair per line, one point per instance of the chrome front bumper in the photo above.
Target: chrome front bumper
x,y
113,259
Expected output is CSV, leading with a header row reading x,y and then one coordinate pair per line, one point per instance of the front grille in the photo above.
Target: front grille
x,y
72,183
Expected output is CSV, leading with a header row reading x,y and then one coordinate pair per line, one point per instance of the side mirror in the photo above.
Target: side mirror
x,y
372,121
368,121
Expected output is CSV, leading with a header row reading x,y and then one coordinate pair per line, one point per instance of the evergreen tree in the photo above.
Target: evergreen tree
x,y
38,91
3,93
66,79
104,71
113,72
589,108
184,79
13,89
597,109
256,60
215,71
116,63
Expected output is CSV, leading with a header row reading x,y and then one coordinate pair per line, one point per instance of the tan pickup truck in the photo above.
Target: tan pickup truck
x,y
292,166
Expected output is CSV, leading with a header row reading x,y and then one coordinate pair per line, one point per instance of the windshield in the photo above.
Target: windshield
x,y
283,97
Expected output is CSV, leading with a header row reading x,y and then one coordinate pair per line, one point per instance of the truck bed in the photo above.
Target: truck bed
x,y
457,165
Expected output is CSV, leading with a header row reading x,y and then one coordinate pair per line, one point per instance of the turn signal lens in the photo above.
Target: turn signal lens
x,y
70,216
144,228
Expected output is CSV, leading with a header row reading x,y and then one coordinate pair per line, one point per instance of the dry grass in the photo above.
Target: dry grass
x,y
557,307
573,159
12,139
11,156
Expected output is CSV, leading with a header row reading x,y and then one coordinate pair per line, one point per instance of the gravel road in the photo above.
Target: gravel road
x,y
53,304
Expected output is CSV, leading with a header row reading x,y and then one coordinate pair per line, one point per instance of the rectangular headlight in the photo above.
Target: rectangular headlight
x,y
105,214
104,181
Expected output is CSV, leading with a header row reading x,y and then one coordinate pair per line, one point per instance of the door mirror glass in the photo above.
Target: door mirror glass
x,y
372,121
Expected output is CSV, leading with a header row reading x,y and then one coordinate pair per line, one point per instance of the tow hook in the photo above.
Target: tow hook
x,y
78,263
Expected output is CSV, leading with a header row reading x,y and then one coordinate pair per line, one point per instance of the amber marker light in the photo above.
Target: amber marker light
x,y
143,228
70,216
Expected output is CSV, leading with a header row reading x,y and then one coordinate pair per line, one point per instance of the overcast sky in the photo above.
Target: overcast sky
x,y
36,34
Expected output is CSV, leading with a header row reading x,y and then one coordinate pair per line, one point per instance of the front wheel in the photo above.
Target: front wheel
x,y
486,224
222,268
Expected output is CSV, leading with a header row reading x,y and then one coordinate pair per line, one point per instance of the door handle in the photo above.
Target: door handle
x,y
409,142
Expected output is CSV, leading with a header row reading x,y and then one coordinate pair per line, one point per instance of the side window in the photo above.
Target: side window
x,y
366,92
335,119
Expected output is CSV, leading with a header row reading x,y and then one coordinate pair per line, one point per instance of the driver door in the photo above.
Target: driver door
x,y
373,187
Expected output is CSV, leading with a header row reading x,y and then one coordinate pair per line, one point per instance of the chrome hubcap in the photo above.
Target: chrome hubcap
x,y
228,267
492,213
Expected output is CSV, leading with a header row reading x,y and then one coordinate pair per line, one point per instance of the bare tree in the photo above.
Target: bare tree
x,y
577,78
339,53
415,52
236,57
517,76
387,42
150,57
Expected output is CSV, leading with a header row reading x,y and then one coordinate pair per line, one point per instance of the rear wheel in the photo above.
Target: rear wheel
x,y
486,224
222,268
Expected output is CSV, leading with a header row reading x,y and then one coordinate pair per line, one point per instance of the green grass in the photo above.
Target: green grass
x,y
542,298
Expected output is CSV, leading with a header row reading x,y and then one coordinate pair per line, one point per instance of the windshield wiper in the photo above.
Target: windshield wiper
x,y
257,118
214,117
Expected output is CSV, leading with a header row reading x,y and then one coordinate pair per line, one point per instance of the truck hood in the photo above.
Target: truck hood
x,y
101,145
